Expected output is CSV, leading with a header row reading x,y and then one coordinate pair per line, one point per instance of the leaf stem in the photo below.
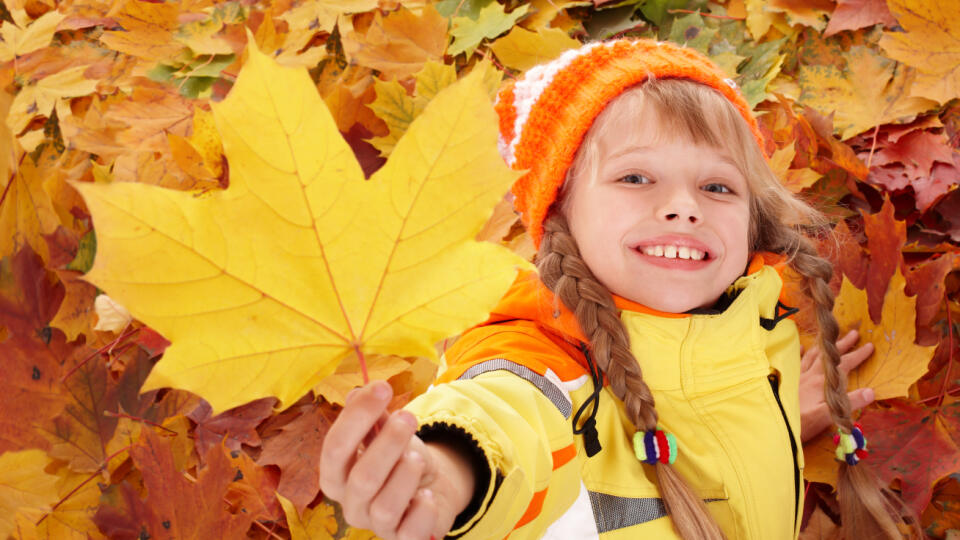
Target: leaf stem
x,y
63,499
10,179
631,29
266,530
108,346
873,145
363,364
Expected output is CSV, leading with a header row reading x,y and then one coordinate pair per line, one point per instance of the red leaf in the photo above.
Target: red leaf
x,y
850,257
175,507
31,393
29,294
237,425
152,341
855,14
920,159
885,239
914,444
926,281
296,450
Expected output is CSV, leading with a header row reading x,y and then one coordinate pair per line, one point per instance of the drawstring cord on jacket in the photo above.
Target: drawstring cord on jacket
x,y
591,439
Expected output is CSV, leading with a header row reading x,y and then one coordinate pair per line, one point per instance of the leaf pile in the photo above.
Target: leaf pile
x,y
219,184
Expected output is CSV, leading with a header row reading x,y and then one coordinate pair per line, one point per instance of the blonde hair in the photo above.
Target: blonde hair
x,y
777,223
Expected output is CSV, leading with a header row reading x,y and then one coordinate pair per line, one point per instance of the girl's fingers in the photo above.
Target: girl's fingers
x,y
860,398
848,360
421,518
389,504
342,441
847,342
809,358
855,357
374,466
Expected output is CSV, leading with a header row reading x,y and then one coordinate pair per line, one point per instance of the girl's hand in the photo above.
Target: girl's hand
x,y
384,477
814,416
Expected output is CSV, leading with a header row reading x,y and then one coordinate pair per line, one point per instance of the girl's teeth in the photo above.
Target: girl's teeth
x,y
674,252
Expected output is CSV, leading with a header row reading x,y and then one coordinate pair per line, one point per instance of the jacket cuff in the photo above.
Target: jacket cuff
x,y
486,482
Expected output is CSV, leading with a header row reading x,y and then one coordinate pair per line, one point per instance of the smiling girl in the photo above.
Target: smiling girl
x,y
644,382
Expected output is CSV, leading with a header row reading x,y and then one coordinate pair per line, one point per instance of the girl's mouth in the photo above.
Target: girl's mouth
x,y
674,252
674,257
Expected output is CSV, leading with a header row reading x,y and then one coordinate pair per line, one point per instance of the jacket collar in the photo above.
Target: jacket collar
x,y
529,299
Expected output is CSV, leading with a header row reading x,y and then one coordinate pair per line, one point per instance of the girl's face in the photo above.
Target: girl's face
x,y
665,220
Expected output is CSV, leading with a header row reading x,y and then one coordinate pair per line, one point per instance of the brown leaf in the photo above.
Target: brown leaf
x,y
175,507
76,314
147,30
254,489
31,394
30,295
926,281
856,14
296,451
235,427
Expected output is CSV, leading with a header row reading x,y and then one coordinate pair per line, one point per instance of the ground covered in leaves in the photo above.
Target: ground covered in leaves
x,y
104,432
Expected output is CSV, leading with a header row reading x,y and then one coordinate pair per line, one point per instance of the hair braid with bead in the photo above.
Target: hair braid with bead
x,y
868,508
565,273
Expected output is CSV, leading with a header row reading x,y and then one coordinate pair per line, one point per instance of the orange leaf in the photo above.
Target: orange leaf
x,y
401,43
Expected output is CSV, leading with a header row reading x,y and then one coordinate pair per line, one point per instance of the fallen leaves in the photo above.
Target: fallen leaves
x,y
854,98
522,49
868,91
930,43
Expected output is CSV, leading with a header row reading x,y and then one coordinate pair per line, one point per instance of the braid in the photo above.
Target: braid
x,y
564,272
868,509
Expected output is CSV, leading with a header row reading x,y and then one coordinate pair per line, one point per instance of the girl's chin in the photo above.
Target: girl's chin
x,y
676,304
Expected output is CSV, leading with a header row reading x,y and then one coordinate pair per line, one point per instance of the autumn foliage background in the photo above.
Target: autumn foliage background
x,y
858,100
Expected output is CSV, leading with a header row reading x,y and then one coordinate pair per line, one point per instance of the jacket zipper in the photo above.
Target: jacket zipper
x,y
775,387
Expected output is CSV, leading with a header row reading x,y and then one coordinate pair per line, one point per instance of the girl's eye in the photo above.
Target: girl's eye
x,y
635,179
717,188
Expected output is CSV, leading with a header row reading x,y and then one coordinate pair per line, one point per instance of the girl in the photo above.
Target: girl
x,y
644,382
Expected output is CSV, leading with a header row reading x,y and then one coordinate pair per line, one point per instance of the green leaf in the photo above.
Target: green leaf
x,y
691,31
492,21
461,8
86,251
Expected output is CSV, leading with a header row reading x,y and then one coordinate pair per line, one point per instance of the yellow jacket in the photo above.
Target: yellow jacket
x,y
725,385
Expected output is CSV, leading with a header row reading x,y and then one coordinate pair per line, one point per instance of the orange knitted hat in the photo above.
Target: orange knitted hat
x,y
545,114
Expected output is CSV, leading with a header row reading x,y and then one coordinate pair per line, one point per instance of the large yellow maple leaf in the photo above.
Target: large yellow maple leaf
x,y
897,362
263,288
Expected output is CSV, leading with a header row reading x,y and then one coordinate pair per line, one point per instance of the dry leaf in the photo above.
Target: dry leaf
x,y
394,278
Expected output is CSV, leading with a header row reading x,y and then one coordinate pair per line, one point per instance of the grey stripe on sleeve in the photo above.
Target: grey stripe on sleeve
x,y
550,390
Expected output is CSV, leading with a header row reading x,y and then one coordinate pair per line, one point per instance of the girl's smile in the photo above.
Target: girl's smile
x,y
663,220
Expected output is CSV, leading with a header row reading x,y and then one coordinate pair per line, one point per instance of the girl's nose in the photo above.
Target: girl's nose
x,y
681,207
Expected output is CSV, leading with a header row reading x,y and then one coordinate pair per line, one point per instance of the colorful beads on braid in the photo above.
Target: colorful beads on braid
x,y
851,447
653,446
